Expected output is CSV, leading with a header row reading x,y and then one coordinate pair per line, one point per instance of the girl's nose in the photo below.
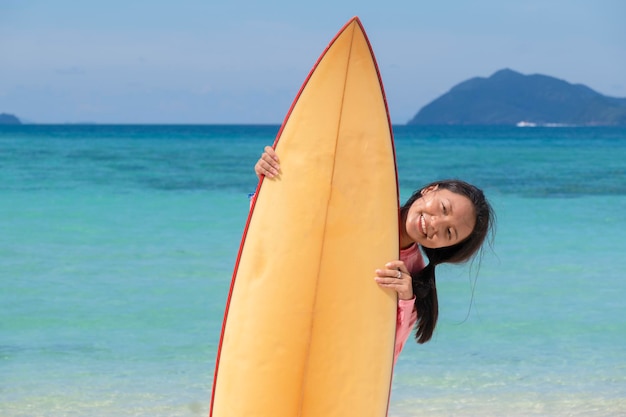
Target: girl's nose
x,y
435,223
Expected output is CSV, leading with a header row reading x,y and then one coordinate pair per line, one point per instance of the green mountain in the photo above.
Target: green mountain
x,y
508,98
9,119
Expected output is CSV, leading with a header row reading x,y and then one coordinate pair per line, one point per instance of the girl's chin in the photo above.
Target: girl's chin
x,y
417,236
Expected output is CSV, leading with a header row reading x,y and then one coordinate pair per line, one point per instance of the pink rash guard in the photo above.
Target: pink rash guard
x,y
407,315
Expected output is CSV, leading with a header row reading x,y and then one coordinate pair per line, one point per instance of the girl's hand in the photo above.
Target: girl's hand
x,y
268,163
397,277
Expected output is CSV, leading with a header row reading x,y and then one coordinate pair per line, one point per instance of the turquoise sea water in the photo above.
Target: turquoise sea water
x,y
117,245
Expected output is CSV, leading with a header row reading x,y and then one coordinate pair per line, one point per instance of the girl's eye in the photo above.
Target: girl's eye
x,y
443,207
449,234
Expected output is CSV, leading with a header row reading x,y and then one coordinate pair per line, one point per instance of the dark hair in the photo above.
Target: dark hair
x,y
424,286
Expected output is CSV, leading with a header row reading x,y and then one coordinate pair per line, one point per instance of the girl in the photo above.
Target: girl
x,y
446,220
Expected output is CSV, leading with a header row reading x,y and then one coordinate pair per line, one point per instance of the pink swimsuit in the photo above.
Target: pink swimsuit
x,y
407,315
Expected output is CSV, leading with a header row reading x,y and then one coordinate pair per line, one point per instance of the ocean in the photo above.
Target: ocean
x,y
117,246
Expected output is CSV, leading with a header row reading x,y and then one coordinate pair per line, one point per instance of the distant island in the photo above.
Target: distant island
x,y
9,119
511,98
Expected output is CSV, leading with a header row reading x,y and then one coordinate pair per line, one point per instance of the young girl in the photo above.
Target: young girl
x,y
446,220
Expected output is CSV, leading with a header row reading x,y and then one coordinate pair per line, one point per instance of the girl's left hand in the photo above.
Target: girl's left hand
x,y
397,277
268,163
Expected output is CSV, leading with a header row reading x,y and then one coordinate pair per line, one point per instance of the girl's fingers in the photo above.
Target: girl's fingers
x,y
396,277
268,169
268,150
269,162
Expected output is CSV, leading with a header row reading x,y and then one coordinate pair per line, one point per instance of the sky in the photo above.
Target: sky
x,y
244,61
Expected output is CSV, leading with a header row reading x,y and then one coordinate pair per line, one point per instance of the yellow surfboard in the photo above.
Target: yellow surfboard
x,y
307,331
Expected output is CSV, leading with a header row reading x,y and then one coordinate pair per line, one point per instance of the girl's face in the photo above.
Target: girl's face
x,y
440,218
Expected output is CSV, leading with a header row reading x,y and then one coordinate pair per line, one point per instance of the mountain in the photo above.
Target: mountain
x,y
9,119
508,98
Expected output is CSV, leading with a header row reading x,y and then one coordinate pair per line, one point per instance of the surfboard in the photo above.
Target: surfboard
x,y
307,331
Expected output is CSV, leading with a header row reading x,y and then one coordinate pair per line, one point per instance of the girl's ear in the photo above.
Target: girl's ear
x,y
429,189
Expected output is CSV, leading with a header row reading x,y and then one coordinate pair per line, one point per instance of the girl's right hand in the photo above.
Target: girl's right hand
x,y
268,164
396,276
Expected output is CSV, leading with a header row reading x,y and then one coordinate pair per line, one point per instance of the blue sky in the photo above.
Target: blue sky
x,y
238,61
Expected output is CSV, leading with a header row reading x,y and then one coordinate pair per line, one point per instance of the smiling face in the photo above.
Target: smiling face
x,y
438,219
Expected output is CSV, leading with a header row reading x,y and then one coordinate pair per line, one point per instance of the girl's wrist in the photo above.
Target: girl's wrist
x,y
405,297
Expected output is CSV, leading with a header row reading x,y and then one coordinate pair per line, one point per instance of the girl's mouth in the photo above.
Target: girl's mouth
x,y
422,225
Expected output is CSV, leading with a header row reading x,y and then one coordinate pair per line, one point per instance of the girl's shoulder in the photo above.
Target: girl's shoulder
x,y
412,258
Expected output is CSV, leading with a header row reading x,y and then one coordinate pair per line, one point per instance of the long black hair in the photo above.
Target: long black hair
x,y
424,285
